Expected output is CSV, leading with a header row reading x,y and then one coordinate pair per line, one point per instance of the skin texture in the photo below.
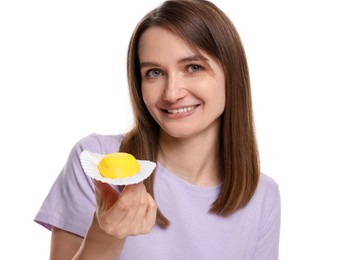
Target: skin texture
x,y
175,76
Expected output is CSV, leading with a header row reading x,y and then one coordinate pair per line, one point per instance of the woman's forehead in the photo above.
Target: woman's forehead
x,y
158,43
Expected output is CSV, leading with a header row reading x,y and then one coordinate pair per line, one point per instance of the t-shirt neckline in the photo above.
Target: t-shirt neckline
x,y
163,172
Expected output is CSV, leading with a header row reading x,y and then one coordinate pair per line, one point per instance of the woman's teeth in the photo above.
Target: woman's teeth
x,y
180,110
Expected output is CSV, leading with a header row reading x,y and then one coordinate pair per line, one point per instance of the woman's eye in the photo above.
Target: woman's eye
x,y
153,73
195,68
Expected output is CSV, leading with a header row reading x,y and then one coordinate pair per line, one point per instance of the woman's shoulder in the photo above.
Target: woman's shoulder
x,y
98,143
267,183
267,192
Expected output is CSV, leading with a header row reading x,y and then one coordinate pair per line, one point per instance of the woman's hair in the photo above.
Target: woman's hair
x,y
205,27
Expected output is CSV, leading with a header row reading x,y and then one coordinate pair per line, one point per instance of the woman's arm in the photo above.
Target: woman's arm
x,y
64,245
96,245
99,245
132,212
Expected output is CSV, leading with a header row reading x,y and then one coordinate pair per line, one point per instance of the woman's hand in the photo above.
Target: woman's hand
x,y
118,215
130,213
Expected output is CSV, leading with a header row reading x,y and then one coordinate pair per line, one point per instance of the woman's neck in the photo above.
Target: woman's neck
x,y
196,159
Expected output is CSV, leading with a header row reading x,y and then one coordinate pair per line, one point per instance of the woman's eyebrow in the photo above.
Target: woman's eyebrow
x,y
150,64
193,58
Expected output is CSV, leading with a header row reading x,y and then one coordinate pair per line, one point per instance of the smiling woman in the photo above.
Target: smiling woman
x,y
191,99
183,91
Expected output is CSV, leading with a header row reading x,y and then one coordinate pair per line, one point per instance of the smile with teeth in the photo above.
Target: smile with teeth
x,y
180,110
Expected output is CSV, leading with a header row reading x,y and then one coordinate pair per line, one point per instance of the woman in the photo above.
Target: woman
x,y
190,92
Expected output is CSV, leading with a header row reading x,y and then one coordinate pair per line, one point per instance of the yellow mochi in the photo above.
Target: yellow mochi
x,y
118,165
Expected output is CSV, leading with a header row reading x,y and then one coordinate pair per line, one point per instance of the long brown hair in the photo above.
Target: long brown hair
x,y
205,27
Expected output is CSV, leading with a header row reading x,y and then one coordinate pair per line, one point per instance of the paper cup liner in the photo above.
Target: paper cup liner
x,y
90,161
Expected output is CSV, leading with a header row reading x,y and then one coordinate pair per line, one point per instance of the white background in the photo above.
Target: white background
x,y
62,76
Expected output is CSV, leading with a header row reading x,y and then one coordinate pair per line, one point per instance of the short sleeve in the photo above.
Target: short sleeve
x,y
70,203
267,247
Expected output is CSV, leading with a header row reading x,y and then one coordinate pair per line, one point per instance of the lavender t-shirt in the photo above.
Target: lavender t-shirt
x,y
250,233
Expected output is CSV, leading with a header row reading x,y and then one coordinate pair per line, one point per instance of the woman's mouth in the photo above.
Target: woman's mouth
x,y
180,110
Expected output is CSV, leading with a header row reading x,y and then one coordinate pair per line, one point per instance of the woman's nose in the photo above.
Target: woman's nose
x,y
174,89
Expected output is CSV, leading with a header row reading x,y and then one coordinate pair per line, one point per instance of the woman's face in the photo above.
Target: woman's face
x,y
183,90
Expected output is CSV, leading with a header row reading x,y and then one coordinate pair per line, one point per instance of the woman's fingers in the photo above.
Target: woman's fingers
x,y
143,217
126,208
150,215
106,196
133,212
138,219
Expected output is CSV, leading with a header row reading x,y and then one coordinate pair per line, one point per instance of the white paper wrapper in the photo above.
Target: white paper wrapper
x,y
90,161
